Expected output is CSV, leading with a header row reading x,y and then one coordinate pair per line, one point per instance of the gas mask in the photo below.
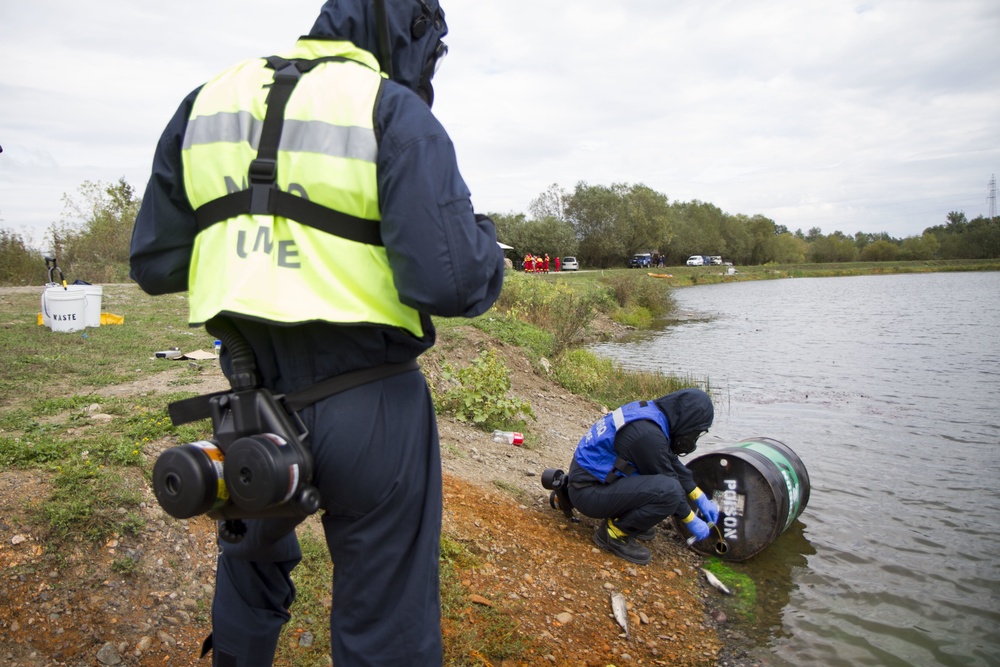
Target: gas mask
x,y
682,445
257,464
428,19
424,88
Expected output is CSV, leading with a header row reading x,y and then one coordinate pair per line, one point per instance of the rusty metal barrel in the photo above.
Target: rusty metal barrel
x,y
760,485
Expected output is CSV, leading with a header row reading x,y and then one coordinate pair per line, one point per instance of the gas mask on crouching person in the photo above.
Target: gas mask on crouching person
x,y
683,445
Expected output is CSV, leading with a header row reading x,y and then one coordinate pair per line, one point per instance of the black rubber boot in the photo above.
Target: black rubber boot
x,y
623,547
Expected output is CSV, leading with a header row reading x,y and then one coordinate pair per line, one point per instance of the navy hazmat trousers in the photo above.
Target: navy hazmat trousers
x,y
378,469
636,503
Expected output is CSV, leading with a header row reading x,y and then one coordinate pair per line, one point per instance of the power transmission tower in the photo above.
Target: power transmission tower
x,y
991,196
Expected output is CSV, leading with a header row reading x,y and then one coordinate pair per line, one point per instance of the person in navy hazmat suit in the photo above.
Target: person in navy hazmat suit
x,y
327,235
627,472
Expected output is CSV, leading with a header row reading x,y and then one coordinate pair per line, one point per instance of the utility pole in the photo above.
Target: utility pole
x,y
991,195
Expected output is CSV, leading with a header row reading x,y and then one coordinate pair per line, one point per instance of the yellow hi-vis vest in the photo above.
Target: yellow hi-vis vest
x,y
271,267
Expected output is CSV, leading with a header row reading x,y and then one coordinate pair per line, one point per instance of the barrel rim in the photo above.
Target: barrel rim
x,y
796,462
774,473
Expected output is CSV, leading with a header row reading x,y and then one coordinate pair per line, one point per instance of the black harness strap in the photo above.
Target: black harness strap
x,y
264,170
199,407
293,207
263,197
192,409
305,397
622,466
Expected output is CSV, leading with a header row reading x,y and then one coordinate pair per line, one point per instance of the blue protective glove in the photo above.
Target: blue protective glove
x,y
705,506
697,527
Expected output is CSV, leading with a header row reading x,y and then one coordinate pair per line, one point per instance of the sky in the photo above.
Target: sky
x,y
861,116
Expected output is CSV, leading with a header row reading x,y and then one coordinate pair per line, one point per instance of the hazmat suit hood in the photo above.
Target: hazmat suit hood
x,y
689,412
414,29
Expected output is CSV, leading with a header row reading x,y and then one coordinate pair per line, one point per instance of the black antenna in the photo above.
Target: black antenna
x,y
382,29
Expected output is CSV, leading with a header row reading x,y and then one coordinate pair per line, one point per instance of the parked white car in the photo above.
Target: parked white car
x,y
696,260
570,264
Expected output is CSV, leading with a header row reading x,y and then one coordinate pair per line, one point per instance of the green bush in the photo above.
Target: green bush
x,y
19,264
554,307
478,394
638,317
632,290
581,371
512,331
605,381
94,245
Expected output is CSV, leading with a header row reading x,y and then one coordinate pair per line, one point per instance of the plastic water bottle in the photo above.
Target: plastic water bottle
x,y
509,437
218,347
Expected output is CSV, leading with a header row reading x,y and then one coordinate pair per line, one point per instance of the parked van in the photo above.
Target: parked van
x,y
642,260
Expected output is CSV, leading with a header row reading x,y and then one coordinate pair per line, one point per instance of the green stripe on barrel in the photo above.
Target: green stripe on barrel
x,y
760,486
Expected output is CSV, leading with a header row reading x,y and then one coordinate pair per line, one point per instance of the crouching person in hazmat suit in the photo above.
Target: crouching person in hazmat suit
x,y
314,202
626,472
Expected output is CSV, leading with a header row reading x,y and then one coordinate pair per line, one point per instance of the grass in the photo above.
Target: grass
x,y
39,437
34,361
471,630
46,420
607,382
313,579
468,629
91,504
50,379
509,330
126,566
96,467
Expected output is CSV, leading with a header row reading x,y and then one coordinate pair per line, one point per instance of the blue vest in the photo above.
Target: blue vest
x,y
595,452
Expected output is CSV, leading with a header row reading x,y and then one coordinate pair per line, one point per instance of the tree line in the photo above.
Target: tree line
x,y
601,225
90,242
605,225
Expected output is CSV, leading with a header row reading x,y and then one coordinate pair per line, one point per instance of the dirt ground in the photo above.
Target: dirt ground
x,y
74,607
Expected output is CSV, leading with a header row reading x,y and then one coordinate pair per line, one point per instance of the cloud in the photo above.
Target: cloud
x,y
876,116
806,112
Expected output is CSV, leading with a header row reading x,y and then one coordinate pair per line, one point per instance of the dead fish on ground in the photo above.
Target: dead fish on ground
x,y
620,611
714,581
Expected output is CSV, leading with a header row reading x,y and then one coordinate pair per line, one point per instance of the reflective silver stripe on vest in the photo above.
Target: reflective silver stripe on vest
x,y
619,418
312,136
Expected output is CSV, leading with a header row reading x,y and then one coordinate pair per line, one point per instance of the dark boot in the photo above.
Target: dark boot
x,y
608,536
647,535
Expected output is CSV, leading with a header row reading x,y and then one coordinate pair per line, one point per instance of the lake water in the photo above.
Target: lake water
x,y
888,389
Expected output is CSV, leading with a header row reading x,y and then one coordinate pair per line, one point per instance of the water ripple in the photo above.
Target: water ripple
x,y
887,390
